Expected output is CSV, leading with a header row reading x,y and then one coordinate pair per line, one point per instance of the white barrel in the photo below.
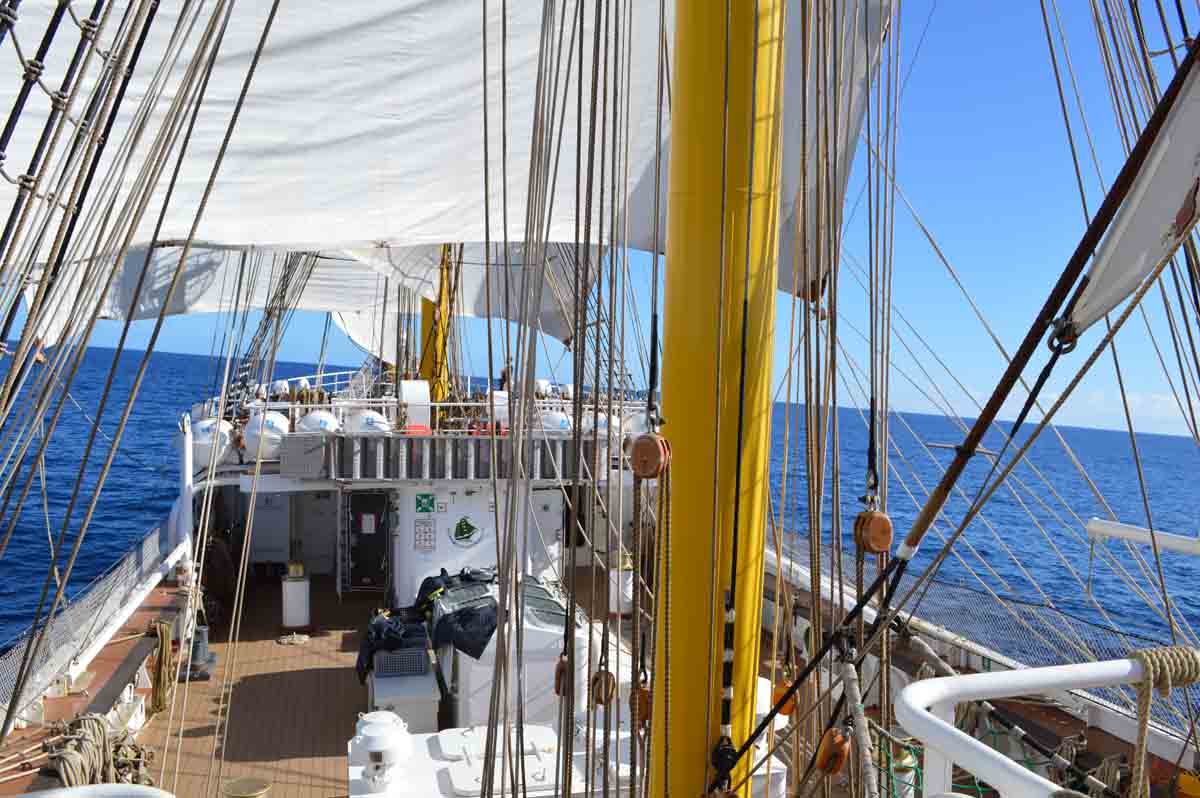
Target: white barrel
x,y
279,387
209,434
543,387
599,425
303,384
318,421
367,422
269,427
295,603
552,421
620,591
633,425
566,391
499,401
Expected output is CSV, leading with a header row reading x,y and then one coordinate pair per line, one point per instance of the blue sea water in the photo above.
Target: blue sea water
x,y
144,481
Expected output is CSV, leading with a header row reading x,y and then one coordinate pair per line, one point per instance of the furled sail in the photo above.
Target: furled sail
x,y
1157,215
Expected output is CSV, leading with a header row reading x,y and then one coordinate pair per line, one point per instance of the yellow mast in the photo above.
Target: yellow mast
x,y
701,324
435,334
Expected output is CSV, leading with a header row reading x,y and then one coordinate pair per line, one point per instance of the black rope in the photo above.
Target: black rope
x,y
8,17
872,454
33,72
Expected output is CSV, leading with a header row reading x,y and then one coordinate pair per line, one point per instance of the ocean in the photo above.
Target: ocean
x,y
1013,558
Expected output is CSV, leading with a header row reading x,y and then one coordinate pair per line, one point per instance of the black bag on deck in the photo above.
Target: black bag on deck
x,y
468,609
388,632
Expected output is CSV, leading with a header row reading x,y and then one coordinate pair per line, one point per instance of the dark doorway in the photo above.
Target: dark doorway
x,y
369,536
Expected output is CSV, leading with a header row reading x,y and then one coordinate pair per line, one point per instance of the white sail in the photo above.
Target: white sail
x,y
838,107
374,330
360,283
1157,215
364,124
386,149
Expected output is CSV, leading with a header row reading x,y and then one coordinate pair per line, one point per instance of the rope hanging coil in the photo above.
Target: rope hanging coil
x,y
1165,668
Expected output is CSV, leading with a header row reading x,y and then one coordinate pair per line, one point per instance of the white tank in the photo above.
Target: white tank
x,y
553,421
209,434
303,384
279,387
318,421
598,424
498,401
367,422
270,427
633,425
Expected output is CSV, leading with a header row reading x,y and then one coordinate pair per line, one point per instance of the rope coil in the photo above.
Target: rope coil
x,y
1164,668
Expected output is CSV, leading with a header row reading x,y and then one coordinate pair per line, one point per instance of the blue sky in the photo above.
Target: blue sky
x,y
983,157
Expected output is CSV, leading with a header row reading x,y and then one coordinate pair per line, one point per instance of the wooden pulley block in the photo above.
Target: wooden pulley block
x,y
873,531
603,688
812,291
640,704
649,455
561,675
781,688
833,752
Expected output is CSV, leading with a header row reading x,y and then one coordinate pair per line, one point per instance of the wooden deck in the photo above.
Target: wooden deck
x,y
293,707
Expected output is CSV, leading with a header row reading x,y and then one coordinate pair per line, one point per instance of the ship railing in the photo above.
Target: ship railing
x,y
925,709
90,617
443,417
549,457
332,382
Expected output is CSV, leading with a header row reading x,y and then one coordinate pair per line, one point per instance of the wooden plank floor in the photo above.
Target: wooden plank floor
x,y
293,708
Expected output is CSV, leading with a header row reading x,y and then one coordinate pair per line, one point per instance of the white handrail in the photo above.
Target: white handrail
x,y
1009,777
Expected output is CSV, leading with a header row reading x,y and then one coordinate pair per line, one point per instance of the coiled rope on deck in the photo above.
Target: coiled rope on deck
x,y
93,753
84,758
163,677
1164,668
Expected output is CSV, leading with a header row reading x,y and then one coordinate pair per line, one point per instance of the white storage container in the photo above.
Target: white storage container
x,y
413,698
296,592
